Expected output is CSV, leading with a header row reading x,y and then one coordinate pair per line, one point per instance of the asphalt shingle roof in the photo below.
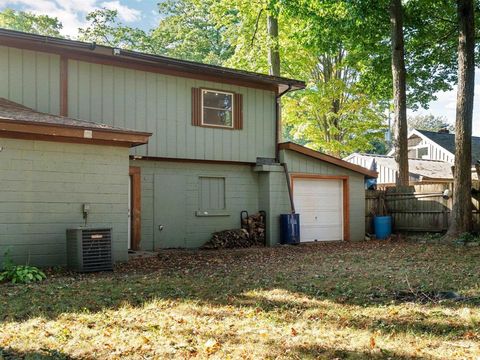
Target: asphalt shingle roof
x,y
431,169
447,141
12,111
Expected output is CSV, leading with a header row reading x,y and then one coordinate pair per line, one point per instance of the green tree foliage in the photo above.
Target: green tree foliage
x,y
188,30
105,28
343,108
363,29
429,122
334,114
31,23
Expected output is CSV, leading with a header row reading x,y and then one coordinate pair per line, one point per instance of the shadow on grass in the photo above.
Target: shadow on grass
x,y
319,353
222,278
94,295
10,354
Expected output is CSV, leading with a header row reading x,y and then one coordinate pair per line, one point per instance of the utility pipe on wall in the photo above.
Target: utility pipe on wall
x,y
290,195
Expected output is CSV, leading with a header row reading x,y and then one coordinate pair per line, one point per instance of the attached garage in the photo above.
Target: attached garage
x,y
320,203
327,192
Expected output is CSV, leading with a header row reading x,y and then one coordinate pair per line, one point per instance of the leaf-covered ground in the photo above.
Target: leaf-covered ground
x,y
369,300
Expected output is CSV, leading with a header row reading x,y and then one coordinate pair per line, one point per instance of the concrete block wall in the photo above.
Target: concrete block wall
x,y
274,198
43,187
171,197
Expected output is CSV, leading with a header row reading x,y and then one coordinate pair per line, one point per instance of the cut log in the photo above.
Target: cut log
x,y
252,233
255,225
228,239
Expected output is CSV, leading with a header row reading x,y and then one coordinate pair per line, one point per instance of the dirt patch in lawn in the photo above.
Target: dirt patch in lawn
x,y
339,300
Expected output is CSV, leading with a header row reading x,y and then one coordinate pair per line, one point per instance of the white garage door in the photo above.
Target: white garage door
x,y
320,205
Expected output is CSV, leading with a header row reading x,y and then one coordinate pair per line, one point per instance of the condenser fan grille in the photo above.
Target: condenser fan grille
x,y
92,249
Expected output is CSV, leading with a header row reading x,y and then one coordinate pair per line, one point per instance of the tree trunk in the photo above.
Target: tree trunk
x,y
274,65
399,92
273,49
461,217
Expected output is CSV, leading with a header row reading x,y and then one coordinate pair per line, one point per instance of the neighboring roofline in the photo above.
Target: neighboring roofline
x,y
418,133
92,52
327,158
389,157
429,178
32,130
410,172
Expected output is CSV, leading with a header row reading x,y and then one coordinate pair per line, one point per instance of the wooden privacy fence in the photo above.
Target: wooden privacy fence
x,y
419,207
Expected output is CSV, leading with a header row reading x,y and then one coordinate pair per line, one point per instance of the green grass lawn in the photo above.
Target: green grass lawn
x,y
367,300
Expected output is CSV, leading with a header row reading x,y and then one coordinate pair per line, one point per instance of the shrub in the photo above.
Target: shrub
x,y
467,238
21,274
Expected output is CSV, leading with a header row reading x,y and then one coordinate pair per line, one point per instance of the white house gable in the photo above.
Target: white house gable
x,y
421,147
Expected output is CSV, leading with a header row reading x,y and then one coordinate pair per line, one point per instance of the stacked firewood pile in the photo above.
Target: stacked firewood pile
x,y
251,234
255,225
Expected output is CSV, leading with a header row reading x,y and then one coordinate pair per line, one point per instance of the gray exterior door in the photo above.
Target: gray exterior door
x,y
169,210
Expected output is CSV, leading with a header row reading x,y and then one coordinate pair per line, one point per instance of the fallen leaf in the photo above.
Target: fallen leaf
x,y
145,339
211,346
294,332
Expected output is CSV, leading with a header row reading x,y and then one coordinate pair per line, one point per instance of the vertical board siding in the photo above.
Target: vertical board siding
x,y
161,104
298,163
44,185
30,78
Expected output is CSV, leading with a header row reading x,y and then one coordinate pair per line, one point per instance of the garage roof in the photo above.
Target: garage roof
x,y
19,121
327,158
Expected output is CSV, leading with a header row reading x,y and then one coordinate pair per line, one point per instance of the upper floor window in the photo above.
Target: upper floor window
x,y
217,109
422,153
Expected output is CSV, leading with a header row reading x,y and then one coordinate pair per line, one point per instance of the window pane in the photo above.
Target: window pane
x,y
217,100
217,117
421,152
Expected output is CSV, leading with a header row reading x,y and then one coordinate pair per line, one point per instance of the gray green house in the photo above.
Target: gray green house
x,y
163,151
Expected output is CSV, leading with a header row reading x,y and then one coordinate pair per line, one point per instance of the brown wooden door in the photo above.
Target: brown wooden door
x,y
135,207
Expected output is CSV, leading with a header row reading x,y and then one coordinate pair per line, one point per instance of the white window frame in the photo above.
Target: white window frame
x,y
209,107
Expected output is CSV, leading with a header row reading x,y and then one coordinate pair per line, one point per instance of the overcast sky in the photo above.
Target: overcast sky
x,y
144,14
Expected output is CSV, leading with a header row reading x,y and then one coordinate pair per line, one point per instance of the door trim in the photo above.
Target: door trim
x,y
136,205
345,195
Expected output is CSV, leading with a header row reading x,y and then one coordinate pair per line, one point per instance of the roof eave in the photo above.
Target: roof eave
x,y
66,133
91,52
327,158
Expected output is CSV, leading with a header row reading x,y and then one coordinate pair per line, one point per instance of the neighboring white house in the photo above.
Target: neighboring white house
x,y
440,146
419,169
431,157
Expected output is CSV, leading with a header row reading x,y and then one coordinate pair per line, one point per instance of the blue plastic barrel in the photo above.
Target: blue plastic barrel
x,y
290,229
382,226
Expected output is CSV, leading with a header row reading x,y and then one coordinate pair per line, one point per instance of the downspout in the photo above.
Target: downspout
x,y
277,148
290,195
